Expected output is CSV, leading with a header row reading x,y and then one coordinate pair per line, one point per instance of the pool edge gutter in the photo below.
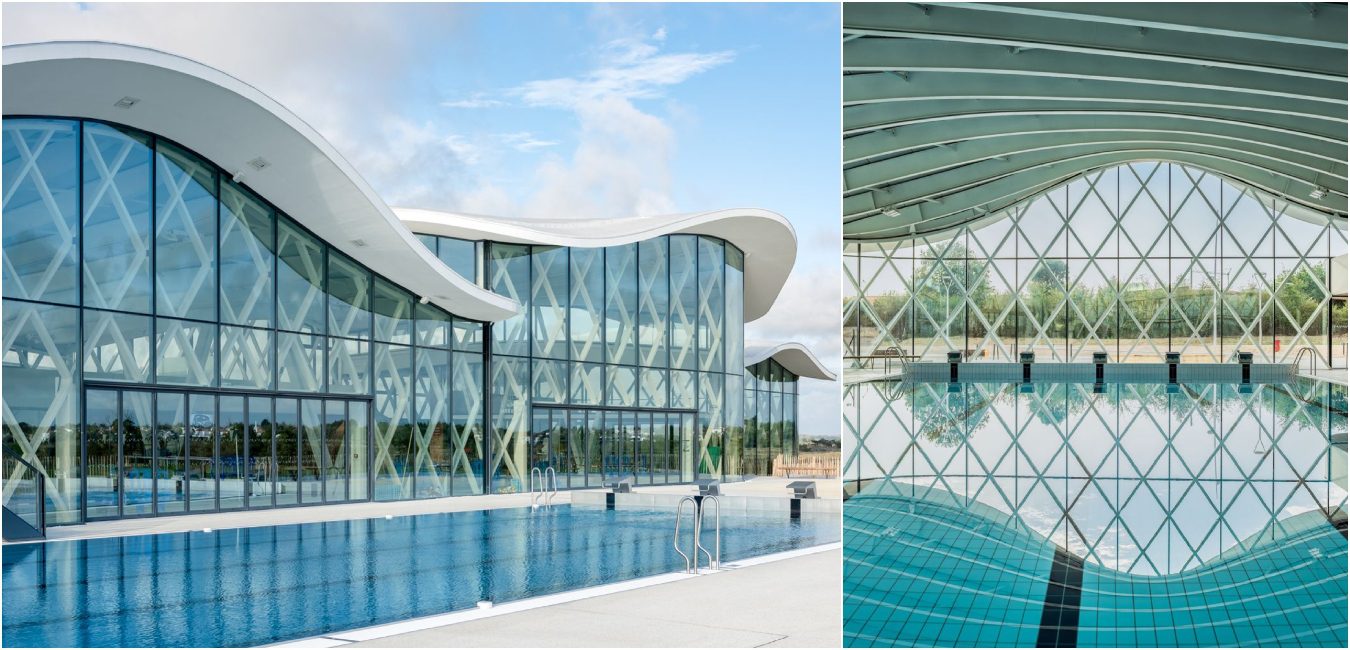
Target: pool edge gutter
x,y
384,630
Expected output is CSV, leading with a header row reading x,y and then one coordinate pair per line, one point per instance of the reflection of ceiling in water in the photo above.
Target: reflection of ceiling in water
x,y
926,567
1135,479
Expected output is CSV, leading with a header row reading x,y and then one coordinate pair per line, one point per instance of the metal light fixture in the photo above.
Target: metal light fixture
x,y
1318,192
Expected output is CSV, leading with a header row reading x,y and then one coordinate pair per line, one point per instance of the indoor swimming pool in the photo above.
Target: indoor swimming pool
x,y
1082,515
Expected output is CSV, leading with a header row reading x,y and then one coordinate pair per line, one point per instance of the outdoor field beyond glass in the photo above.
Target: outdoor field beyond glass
x,y
254,586
1081,515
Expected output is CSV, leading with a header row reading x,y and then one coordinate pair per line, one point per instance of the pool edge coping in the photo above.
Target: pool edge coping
x,y
385,630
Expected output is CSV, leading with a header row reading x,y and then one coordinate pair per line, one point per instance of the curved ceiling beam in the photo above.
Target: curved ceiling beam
x,y
911,55
941,184
863,211
1317,24
904,168
794,357
766,238
912,137
870,117
1081,34
232,123
885,87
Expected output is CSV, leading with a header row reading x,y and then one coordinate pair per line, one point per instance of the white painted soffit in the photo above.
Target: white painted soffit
x,y
766,238
232,123
793,356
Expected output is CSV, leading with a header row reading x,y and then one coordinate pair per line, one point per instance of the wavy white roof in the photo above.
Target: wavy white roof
x,y
766,238
232,123
793,356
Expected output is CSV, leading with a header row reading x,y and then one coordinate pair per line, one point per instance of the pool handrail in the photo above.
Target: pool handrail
x,y
690,566
714,559
534,495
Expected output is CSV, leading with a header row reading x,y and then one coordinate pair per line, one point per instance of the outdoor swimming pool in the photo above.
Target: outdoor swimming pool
x,y
1074,515
253,586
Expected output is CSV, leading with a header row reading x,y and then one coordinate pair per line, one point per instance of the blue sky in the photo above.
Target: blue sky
x,y
578,111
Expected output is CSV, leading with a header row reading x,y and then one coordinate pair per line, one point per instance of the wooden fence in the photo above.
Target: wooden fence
x,y
819,464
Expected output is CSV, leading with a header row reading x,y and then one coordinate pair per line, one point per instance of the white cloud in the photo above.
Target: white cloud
x,y
476,100
526,142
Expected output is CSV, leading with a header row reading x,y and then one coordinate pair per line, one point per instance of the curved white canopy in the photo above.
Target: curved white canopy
x,y
793,356
233,124
766,238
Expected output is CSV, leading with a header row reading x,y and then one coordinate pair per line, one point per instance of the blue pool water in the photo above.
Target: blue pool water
x,y
1069,515
254,586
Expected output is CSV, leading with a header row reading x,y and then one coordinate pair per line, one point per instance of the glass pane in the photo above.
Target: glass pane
x,y
460,255
550,381
311,451
712,304
548,299
117,166
560,435
262,467
41,185
41,415
622,389
468,335
594,448
712,438
587,291
138,448
682,390
358,437
100,449
434,446
171,436
116,347
653,302
348,297
734,427
467,417
652,393
393,313
233,457
621,304
683,301
433,327
245,358
735,311
186,352
300,362
246,258
185,235
587,388
201,453
300,279
510,275
510,424
337,452
348,366
288,451
393,430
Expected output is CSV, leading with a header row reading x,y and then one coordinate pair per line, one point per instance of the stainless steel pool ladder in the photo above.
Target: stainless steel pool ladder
x,y
715,557
1312,358
547,483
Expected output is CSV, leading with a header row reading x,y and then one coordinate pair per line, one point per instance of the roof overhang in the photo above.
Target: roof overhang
x,y
953,111
766,238
231,123
793,356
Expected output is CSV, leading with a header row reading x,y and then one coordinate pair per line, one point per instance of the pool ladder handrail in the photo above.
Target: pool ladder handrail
x,y
1312,358
547,483
714,557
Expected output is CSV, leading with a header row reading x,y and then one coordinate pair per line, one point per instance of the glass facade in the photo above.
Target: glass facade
x,y
770,415
1135,261
651,331
173,343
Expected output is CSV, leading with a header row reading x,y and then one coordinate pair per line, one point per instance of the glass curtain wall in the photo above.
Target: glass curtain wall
x,y
655,326
771,435
1135,261
133,262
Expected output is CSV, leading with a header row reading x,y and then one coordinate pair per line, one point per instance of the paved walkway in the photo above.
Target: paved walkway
x,y
795,602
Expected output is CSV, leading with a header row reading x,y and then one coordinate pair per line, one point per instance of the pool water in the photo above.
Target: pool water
x,y
253,586
1074,515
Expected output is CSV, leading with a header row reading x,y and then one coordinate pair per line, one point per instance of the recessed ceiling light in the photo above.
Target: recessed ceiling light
x,y
359,243
259,163
1318,192
891,212
126,102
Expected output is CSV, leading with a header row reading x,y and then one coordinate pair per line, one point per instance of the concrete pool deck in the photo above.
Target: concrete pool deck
x,y
766,602
766,487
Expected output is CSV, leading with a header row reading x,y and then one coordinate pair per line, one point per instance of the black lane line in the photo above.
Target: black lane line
x,y
1059,618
